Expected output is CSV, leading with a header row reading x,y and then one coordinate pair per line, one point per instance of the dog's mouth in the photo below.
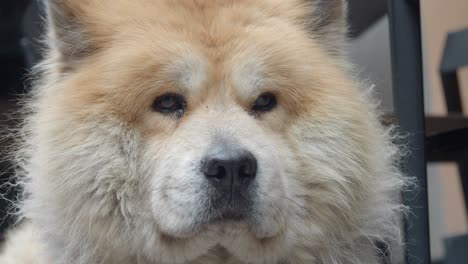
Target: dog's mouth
x,y
228,216
224,210
230,221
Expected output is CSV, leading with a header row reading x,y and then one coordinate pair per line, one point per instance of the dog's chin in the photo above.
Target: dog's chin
x,y
233,234
227,224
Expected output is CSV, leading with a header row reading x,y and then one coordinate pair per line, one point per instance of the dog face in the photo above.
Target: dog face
x,y
173,127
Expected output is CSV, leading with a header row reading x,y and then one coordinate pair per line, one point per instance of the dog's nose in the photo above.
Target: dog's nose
x,y
229,170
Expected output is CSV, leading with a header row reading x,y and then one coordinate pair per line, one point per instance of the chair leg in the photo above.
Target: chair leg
x,y
405,30
463,171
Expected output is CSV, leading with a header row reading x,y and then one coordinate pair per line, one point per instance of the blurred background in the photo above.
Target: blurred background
x,y
21,28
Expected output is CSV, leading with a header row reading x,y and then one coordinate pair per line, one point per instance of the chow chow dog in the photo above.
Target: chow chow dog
x,y
203,131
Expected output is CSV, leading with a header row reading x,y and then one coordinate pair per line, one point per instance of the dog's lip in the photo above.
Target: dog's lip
x,y
197,229
228,216
171,238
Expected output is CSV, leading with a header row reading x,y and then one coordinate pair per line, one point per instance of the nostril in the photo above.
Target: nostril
x,y
248,167
246,171
220,173
214,170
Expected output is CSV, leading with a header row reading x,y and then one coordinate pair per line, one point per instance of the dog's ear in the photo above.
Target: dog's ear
x,y
67,30
328,23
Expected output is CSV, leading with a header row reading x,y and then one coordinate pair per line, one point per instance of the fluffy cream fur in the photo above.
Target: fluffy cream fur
x,y
108,180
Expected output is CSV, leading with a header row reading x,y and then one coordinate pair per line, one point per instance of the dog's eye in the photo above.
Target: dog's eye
x,y
170,103
264,103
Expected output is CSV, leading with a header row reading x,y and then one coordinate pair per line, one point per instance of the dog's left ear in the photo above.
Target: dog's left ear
x,y
328,23
69,30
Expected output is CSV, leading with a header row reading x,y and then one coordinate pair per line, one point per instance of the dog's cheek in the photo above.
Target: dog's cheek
x,y
273,186
333,173
175,183
91,164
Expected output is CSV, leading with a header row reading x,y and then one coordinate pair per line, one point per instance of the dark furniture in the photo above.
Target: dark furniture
x,y
430,139
405,34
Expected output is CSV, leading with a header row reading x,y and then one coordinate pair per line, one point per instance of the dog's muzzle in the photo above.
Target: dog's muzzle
x,y
230,171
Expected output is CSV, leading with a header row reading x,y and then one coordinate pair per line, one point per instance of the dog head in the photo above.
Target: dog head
x,y
166,128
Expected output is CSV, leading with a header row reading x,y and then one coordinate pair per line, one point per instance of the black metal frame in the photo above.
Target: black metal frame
x,y
455,57
405,30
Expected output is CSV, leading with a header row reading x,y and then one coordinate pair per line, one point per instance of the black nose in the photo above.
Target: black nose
x,y
230,170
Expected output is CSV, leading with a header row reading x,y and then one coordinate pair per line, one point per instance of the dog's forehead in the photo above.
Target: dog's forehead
x,y
193,71
247,74
189,70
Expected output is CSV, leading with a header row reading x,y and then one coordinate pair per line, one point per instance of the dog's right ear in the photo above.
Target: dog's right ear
x,y
328,23
67,30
